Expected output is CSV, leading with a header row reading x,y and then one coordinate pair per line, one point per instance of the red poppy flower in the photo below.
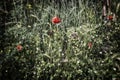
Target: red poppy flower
x,y
110,17
90,44
56,20
19,47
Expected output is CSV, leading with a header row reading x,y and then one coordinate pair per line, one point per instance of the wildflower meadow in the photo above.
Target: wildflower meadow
x,y
60,40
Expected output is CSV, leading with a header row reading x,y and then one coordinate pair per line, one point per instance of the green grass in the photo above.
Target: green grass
x,y
64,55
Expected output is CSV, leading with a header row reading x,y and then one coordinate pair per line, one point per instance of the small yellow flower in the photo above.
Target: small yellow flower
x,y
29,6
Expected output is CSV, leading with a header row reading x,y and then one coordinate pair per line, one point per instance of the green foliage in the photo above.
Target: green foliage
x,y
60,51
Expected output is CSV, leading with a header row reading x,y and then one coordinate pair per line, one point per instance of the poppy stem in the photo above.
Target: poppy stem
x,y
65,40
56,27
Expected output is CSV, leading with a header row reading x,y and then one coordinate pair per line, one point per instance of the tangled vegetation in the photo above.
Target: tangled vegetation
x,y
63,40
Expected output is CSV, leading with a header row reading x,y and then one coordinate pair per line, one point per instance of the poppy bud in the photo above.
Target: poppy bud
x,y
110,17
19,47
50,33
90,44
